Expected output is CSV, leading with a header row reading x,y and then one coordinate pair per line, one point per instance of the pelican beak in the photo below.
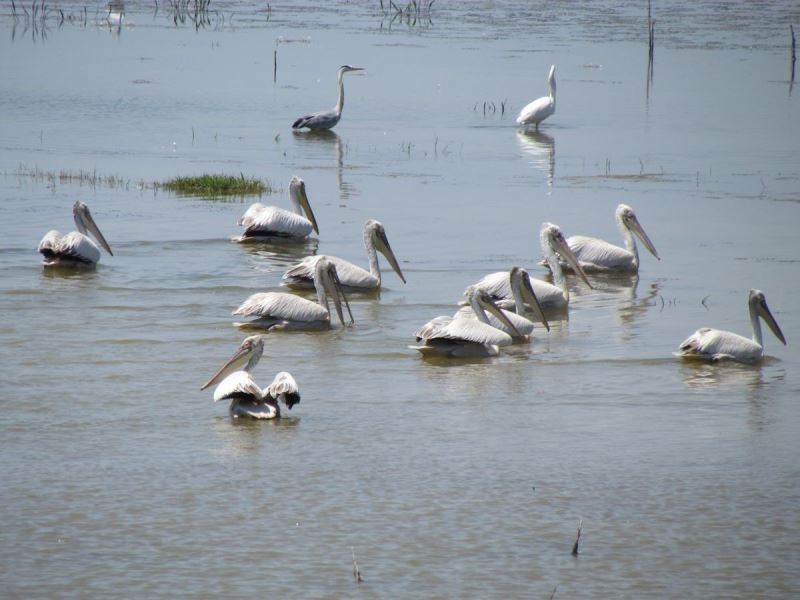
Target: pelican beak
x,y
637,228
83,215
336,291
764,313
241,354
298,186
530,298
488,304
385,249
567,254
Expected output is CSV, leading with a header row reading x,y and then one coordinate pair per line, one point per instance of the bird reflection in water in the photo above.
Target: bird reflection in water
x,y
312,141
279,256
541,149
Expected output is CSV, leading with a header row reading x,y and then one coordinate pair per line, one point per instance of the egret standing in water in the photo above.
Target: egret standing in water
x,y
282,311
351,276
247,399
598,256
541,108
327,119
270,222
75,248
715,344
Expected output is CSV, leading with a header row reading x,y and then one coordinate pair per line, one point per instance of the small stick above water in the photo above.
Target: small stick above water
x,y
577,539
356,570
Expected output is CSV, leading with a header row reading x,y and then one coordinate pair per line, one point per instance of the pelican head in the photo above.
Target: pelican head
x,y
249,351
297,192
326,280
552,238
627,218
377,235
481,302
521,288
85,224
758,307
347,68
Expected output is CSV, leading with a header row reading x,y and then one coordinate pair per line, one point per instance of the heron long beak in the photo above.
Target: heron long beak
x,y
637,228
487,303
336,291
300,189
241,354
764,313
82,213
530,298
567,254
385,249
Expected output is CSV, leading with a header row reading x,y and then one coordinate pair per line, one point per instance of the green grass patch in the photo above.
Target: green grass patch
x,y
216,185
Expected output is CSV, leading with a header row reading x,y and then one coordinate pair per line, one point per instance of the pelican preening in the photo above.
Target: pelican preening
x,y
282,311
270,222
521,293
74,248
541,108
351,277
327,119
247,399
597,256
715,344
460,337
550,296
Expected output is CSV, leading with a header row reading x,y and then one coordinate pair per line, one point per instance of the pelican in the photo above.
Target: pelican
x,y
327,119
460,336
247,399
282,311
541,108
715,344
269,222
550,296
521,291
597,255
74,248
351,276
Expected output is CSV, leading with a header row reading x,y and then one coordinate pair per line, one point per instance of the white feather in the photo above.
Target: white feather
x,y
281,307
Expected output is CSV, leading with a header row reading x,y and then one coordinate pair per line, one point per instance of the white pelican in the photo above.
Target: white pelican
x,y
247,399
521,292
327,119
550,296
74,248
715,344
350,276
459,337
282,311
541,108
597,256
269,222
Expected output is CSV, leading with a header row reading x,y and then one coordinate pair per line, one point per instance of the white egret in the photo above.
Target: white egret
x,y
287,312
270,222
597,256
715,344
350,275
521,292
247,399
551,296
459,337
327,119
75,248
541,108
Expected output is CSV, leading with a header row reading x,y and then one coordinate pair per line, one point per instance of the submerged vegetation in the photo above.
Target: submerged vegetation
x,y
216,185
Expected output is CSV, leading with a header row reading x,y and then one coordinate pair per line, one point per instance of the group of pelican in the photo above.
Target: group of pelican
x,y
499,310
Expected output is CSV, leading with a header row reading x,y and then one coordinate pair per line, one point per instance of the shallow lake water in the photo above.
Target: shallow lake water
x,y
445,479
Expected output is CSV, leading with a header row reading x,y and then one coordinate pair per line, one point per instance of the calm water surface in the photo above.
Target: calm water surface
x,y
120,478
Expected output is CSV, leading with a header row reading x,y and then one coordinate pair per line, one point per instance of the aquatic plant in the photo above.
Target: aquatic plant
x,y
216,185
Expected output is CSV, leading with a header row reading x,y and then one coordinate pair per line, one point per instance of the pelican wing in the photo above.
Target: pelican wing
x,y
499,288
49,243
593,253
277,305
284,387
715,344
73,245
260,220
239,384
349,274
536,111
463,330
523,325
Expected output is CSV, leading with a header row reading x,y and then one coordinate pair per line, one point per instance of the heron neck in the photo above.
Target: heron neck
x,y
756,324
340,101
372,257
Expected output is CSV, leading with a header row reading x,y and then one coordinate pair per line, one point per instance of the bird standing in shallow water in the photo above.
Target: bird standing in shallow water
x,y
541,108
327,119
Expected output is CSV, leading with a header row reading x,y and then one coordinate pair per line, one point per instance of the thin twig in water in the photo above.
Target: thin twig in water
x,y
703,302
577,539
356,570
553,595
